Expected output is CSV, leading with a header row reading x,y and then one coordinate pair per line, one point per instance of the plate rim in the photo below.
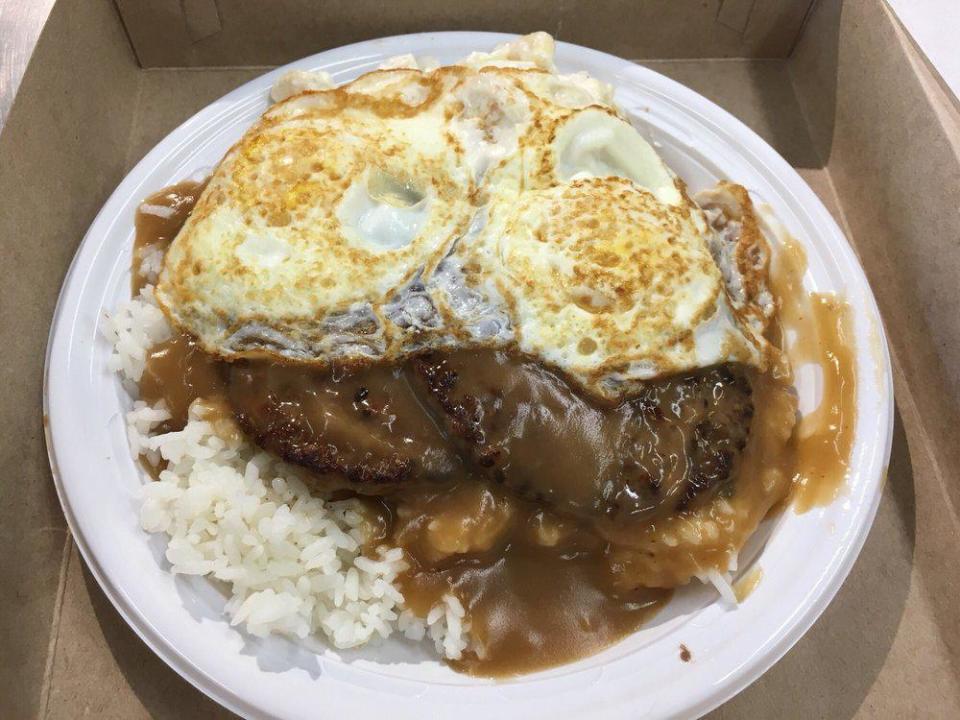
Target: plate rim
x,y
734,682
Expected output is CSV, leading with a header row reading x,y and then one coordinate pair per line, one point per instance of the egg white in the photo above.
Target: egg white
x,y
493,203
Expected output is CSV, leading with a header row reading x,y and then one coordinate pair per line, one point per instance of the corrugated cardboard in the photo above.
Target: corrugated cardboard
x,y
846,99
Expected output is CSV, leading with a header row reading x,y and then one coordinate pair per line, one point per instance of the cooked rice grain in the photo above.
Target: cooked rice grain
x,y
295,563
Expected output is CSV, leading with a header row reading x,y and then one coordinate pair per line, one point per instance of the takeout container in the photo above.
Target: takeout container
x,y
841,94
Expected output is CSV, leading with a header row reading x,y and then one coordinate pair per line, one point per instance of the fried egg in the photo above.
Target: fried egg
x,y
491,203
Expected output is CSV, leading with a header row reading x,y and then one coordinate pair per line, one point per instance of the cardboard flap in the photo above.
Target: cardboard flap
x,y
173,33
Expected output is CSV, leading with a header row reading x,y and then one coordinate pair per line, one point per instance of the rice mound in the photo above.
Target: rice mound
x,y
295,563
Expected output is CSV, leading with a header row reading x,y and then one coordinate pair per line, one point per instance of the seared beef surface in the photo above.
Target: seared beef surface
x,y
441,416
675,441
363,428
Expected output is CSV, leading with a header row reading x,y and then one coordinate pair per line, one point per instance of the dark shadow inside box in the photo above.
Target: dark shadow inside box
x,y
758,92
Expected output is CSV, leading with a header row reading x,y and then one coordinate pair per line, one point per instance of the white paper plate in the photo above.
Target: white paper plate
x,y
804,557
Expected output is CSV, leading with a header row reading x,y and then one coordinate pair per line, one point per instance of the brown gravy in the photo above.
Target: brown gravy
x,y
178,372
498,513
822,323
672,445
159,225
514,422
537,587
365,423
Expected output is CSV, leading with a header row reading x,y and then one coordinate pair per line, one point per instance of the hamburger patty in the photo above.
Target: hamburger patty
x,y
676,442
361,428
523,426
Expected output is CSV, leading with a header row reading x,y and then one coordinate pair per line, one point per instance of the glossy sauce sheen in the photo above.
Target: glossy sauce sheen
x,y
539,595
516,424
820,446
157,230
178,372
367,424
501,482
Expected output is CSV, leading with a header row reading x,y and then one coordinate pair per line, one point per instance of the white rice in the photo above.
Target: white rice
x,y
132,329
294,563
151,262
723,582
161,211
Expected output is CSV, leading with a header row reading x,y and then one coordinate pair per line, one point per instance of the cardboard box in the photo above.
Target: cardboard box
x,y
840,91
